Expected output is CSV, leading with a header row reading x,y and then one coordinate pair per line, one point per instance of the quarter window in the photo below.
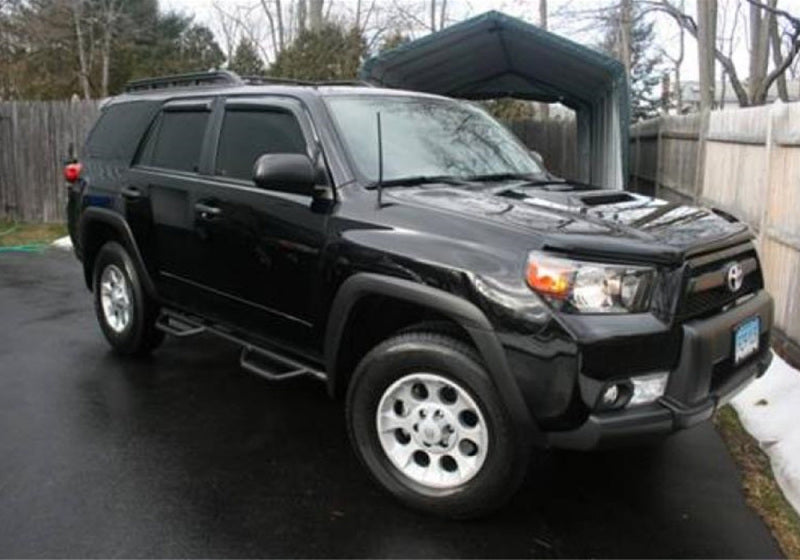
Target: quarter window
x,y
246,135
177,141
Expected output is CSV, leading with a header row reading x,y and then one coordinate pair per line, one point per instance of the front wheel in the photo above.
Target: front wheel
x,y
427,422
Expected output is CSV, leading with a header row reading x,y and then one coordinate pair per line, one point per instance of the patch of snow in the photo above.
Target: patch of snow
x,y
770,410
63,242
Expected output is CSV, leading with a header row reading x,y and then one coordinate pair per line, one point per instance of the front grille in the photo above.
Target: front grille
x,y
706,291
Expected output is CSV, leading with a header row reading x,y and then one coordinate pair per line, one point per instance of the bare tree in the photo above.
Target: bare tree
x,y
625,24
706,46
228,26
677,62
83,62
110,13
760,24
302,14
239,22
727,43
315,14
758,95
775,42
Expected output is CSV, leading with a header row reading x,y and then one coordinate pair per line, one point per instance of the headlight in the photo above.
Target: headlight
x,y
585,287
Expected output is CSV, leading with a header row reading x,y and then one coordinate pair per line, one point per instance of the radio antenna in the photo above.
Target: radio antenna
x,y
379,184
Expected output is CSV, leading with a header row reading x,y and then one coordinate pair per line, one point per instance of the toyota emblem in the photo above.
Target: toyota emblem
x,y
735,277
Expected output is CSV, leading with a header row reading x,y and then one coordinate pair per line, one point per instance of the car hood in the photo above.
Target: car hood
x,y
579,219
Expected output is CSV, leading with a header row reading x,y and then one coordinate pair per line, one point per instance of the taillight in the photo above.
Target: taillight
x,y
72,172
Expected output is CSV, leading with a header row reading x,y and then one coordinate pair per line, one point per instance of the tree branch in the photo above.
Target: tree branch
x,y
690,25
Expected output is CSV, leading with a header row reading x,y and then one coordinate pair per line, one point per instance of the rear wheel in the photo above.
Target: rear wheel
x,y
125,312
427,422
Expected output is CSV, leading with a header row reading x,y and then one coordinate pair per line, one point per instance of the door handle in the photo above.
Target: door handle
x,y
207,212
131,193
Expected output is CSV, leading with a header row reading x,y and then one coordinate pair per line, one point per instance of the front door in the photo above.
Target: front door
x,y
260,248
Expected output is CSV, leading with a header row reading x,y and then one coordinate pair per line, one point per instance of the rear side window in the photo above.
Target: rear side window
x,y
176,141
118,130
248,134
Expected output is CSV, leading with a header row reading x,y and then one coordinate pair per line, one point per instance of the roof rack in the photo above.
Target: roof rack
x,y
215,77
226,77
263,80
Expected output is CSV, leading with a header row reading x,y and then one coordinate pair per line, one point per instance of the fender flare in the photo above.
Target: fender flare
x,y
463,312
93,215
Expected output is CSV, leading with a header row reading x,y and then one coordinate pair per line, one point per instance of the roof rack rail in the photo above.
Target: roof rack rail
x,y
264,80
226,77
214,77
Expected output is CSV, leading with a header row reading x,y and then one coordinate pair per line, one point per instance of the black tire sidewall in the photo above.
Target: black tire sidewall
x,y
130,340
504,466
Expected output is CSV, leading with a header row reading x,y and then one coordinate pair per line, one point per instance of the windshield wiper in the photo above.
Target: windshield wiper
x,y
421,180
530,179
504,177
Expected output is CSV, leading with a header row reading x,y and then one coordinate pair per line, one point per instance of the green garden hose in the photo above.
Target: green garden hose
x,y
30,248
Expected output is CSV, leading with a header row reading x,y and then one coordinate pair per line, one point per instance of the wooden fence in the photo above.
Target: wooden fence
x,y
744,161
555,139
35,140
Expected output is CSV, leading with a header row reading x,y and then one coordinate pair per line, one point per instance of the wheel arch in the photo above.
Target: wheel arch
x,y
462,312
99,225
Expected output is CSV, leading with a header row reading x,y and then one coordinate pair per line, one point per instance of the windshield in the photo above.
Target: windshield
x,y
427,137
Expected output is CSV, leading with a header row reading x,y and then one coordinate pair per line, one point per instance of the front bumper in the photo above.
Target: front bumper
x,y
704,380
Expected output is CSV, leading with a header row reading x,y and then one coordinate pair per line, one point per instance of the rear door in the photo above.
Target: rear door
x,y
165,177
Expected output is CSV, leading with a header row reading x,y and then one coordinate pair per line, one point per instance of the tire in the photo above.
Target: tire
x,y
480,474
126,314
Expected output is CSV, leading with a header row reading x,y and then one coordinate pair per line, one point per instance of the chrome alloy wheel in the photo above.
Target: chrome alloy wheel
x,y
116,298
432,430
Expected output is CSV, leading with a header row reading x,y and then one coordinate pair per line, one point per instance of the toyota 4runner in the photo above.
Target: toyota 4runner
x,y
409,252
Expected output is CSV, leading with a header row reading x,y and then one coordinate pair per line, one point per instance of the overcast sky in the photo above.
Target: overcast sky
x,y
575,28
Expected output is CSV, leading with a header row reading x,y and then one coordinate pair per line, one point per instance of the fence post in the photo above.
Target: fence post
x,y
763,222
659,156
700,172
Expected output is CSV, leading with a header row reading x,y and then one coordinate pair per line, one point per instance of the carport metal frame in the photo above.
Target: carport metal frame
x,y
597,89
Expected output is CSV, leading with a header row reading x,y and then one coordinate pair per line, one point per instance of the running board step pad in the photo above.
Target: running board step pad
x,y
178,327
269,364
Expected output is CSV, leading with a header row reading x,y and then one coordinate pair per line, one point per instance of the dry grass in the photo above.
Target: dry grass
x,y
17,234
761,490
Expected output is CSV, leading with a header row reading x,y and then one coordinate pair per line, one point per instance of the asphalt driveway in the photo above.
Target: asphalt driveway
x,y
185,454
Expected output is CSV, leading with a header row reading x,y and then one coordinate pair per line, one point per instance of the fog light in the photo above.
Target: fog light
x,y
610,396
648,388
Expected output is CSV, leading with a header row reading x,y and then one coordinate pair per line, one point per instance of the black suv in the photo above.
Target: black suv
x,y
409,252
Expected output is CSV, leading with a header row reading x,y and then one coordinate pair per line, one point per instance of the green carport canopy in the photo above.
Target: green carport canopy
x,y
494,55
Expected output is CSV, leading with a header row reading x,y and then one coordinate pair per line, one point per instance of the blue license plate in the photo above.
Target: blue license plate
x,y
746,339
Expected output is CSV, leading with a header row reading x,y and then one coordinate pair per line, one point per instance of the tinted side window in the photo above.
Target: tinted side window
x,y
246,135
177,140
119,129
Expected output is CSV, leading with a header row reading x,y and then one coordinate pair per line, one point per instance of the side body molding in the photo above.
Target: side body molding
x,y
459,310
108,217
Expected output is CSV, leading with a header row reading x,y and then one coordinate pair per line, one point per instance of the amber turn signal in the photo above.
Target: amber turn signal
x,y
550,277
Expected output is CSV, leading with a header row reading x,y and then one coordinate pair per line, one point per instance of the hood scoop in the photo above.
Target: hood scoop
x,y
606,198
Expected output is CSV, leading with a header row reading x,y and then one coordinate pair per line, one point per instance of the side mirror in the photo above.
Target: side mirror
x,y
538,158
287,172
